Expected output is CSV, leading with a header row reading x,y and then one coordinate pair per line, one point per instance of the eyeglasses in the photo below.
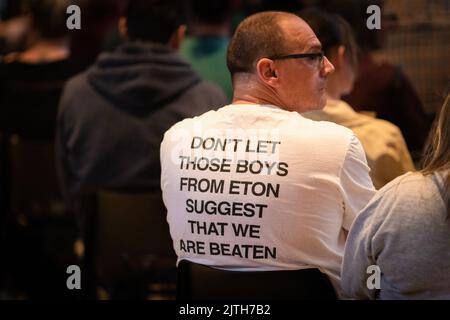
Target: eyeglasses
x,y
314,56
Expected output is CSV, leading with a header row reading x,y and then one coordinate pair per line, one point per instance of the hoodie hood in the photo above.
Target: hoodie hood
x,y
140,77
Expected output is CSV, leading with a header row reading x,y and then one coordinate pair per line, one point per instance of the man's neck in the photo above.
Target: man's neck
x,y
250,100
245,100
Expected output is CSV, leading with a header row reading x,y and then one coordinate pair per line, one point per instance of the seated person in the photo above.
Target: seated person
x,y
112,117
383,87
405,232
31,204
206,46
387,154
254,185
31,82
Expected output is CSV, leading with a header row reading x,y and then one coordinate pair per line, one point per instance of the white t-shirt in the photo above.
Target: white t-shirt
x,y
251,187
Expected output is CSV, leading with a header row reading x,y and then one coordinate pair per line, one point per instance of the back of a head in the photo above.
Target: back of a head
x,y
257,36
333,31
210,12
154,20
49,18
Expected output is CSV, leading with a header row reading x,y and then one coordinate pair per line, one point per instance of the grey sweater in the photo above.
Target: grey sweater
x,y
404,231
113,116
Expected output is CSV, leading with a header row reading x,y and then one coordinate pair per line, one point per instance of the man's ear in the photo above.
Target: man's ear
x,y
267,72
123,29
177,37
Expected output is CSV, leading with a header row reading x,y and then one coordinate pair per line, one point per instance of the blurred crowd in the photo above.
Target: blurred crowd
x,y
85,110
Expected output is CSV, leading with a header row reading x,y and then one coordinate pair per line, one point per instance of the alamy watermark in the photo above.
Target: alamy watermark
x,y
73,22
374,20
374,280
74,280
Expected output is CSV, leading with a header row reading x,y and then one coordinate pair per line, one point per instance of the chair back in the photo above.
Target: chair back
x,y
131,244
200,282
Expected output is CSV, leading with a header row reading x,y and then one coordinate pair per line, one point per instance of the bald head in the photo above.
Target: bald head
x,y
263,58
258,36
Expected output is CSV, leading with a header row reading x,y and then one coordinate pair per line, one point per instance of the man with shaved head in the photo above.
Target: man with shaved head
x,y
254,185
261,47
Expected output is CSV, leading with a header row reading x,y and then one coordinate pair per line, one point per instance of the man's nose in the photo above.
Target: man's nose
x,y
327,68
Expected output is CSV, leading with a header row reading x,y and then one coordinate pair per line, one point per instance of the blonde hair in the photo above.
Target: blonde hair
x,y
437,156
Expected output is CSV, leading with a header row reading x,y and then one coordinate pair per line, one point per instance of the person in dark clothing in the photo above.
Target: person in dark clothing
x,y
31,81
32,211
385,89
113,116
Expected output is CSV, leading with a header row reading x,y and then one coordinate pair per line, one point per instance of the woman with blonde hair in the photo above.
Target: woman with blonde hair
x,y
405,232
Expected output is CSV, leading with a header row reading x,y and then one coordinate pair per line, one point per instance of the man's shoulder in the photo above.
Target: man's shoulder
x,y
191,122
291,124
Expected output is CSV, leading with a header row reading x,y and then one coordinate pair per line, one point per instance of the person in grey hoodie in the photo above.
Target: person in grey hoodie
x,y
112,117
398,247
